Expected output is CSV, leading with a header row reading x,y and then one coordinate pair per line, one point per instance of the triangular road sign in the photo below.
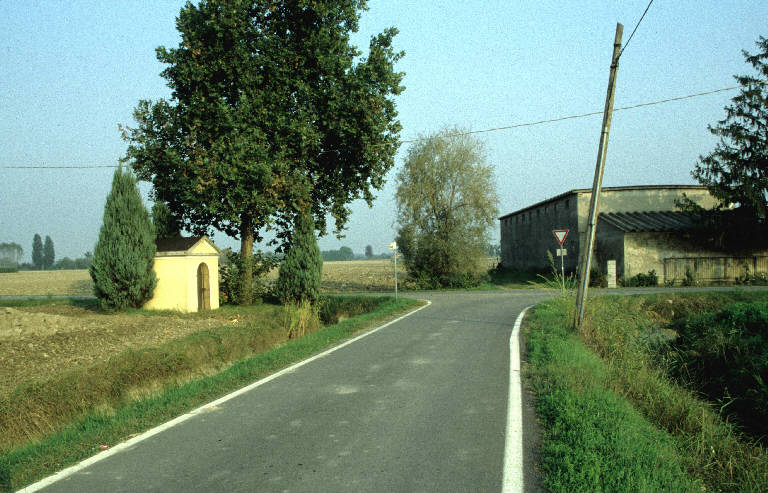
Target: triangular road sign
x,y
560,235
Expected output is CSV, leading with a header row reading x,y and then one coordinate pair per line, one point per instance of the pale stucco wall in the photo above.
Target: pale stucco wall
x,y
647,251
177,282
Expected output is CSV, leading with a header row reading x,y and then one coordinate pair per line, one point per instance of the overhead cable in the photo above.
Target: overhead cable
x,y
635,29
469,132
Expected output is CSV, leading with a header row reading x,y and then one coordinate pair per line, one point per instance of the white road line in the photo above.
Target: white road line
x,y
512,479
158,429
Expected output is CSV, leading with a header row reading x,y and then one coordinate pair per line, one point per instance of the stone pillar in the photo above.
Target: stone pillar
x,y
611,273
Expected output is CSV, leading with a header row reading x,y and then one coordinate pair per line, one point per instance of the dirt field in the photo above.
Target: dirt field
x,y
38,341
362,275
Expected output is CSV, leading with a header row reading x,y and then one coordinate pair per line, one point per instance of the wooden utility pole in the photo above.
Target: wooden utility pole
x,y
594,202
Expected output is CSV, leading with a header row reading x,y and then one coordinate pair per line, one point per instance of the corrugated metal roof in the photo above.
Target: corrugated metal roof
x,y
650,221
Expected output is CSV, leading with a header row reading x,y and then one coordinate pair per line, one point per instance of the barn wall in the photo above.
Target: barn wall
x,y
647,251
526,237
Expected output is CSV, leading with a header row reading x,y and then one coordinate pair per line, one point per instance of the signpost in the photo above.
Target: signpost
x,y
393,247
560,236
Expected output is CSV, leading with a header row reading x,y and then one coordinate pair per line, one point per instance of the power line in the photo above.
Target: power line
x,y
62,167
470,132
635,29
583,115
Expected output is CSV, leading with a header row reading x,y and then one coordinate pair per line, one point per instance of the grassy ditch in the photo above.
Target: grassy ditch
x,y
615,416
594,440
55,423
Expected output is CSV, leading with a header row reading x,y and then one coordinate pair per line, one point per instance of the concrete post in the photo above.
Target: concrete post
x,y
611,270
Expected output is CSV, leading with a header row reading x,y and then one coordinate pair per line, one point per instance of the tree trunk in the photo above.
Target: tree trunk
x,y
246,256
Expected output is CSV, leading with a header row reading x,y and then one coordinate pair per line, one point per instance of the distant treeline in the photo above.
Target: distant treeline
x,y
65,263
43,257
346,253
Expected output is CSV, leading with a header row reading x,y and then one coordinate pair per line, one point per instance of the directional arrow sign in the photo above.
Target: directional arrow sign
x,y
560,235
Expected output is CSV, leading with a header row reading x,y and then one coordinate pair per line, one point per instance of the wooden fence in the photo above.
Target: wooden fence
x,y
713,270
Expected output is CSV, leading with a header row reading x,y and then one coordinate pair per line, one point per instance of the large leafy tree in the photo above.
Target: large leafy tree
x,y
10,253
271,112
736,172
446,205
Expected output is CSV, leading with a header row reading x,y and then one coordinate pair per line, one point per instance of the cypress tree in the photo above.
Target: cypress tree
x,y
301,270
49,254
124,255
37,252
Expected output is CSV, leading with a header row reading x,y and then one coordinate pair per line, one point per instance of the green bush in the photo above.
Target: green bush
x,y
125,253
8,270
332,309
724,355
231,271
642,280
301,270
597,279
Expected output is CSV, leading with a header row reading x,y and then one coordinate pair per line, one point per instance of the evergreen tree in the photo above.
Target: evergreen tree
x,y
165,223
49,254
368,251
124,255
37,252
736,172
301,270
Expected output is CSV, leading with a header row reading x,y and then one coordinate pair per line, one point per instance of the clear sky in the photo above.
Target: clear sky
x,y
70,72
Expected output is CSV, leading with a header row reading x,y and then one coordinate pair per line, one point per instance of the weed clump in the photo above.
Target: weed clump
x,y
724,355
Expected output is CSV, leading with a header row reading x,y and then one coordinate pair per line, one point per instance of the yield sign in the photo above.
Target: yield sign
x,y
560,235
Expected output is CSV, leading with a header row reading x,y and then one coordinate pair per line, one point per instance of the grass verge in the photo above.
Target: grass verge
x,y
584,381
593,439
90,423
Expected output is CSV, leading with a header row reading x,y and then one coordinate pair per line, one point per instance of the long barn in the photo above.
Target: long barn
x,y
638,226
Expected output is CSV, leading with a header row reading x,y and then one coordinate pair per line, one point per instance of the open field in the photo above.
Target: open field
x,y
43,283
338,277
353,275
362,275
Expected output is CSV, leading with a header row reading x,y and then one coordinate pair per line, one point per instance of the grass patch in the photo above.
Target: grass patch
x,y
594,440
59,422
513,279
624,335
72,301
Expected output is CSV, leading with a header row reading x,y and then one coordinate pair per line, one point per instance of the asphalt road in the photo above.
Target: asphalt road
x,y
420,405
